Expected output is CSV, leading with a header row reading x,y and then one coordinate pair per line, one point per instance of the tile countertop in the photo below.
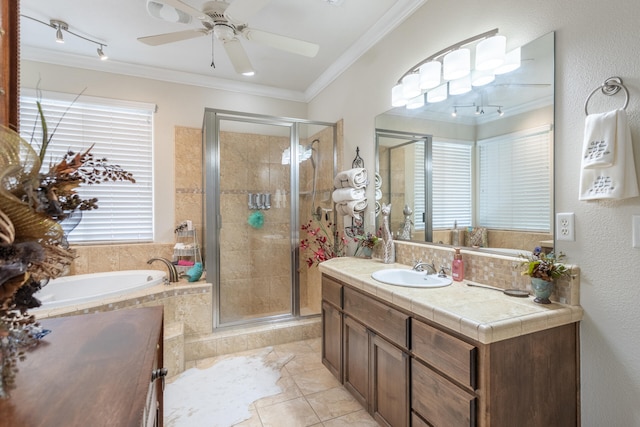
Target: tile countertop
x,y
483,315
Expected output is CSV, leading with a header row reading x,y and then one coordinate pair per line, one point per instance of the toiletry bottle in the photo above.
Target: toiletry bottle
x,y
457,267
455,234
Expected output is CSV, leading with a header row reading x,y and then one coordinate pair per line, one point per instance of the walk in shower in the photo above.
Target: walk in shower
x,y
264,178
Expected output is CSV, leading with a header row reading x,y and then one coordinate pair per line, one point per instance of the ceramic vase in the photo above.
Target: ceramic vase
x,y
366,252
541,290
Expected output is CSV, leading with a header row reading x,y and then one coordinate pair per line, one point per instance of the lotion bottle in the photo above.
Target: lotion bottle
x,y
457,267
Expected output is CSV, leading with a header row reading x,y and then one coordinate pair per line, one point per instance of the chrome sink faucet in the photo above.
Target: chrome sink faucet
x,y
173,272
419,266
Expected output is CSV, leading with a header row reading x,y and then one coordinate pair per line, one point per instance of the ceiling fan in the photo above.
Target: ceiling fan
x,y
227,22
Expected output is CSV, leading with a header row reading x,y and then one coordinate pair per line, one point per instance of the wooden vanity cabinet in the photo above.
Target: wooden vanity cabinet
x,y
102,369
406,370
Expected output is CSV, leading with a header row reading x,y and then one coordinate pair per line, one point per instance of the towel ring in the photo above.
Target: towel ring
x,y
610,87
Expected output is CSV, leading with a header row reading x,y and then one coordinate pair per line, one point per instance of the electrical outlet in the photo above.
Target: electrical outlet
x,y
636,231
565,227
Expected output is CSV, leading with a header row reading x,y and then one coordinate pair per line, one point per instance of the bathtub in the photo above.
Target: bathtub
x,y
83,288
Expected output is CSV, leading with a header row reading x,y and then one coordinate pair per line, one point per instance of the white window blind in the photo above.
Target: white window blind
x,y
451,164
515,181
419,205
119,131
452,188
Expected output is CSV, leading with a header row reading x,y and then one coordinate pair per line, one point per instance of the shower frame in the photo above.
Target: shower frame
x,y
211,184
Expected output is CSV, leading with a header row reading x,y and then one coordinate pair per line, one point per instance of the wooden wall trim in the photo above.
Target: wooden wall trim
x,y
9,55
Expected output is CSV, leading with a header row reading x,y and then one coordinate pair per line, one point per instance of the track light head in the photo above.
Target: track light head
x,y
454,113
500,112
59,26
101,54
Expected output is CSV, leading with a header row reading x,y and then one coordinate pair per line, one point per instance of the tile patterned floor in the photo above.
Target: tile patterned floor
x,y
310,396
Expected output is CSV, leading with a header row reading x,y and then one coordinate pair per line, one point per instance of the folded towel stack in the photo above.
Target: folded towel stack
x,y
349,195
355,178
607,169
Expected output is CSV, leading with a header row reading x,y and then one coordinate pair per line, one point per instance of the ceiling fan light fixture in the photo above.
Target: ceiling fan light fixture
x,y
223,32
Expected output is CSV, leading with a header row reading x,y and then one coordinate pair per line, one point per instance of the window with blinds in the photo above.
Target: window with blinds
x,y
451,163
119,131
515,181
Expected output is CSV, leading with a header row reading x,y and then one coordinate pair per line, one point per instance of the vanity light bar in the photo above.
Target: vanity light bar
x,y
453,66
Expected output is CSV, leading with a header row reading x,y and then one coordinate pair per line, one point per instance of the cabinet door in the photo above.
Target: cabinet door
x,y
356,360
332,340
390,383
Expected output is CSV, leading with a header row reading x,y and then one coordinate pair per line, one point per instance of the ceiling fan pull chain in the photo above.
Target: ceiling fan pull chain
x,y
213,64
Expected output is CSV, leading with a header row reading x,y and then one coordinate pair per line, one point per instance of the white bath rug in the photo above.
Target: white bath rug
x,y
220,396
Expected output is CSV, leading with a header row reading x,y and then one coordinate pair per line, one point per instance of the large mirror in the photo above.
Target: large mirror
x,y
475,169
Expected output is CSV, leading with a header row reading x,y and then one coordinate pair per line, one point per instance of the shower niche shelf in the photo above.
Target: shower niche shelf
x,y
187,250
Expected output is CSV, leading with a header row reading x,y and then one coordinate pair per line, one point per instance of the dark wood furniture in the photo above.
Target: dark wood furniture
x,y
92,370
407,370
9,57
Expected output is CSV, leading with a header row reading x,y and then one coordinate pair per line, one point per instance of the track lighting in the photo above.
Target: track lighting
x,y
455,112
61,26
101,54
500,112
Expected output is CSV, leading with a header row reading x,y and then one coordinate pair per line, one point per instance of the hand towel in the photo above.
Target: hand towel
x,y
598,150
356,178
351,208
378,180
618,181
347,194
378,194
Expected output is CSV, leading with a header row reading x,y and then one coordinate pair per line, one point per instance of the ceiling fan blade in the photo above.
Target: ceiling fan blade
x,y
198,14
161,39
239,11
278,41
238,57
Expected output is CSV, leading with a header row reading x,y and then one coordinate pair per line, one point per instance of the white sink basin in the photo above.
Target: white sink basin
x,y
410,278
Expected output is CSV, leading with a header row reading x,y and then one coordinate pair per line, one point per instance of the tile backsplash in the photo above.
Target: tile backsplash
x,y
495,270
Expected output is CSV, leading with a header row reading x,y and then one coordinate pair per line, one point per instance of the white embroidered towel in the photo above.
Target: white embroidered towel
x,y
356,178
599,146
618,181
378,194
378,180
347,194
351,208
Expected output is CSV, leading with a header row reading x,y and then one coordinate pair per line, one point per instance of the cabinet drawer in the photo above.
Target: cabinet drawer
x,y
445,353
416,421
332,291
386,321
438,400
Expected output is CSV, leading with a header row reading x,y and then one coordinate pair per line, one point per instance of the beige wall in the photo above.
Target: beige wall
x,y
594,41
177,105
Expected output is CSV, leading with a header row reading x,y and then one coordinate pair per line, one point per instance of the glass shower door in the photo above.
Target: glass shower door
x,y
255,273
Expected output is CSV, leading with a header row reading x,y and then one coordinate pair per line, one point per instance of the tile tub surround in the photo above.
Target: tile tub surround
x,y
481,314
187,312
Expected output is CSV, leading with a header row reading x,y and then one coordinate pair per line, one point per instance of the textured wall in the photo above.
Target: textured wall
x,y
593,42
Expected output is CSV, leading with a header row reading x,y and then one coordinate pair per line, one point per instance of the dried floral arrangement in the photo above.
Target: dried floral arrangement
x,y
33,247
320,245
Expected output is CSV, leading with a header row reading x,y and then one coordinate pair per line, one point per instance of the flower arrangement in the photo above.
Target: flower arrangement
x,y
33,248
365,241
543,266
320,245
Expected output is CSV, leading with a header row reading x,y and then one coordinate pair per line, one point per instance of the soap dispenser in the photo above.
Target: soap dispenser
x,y
457,267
